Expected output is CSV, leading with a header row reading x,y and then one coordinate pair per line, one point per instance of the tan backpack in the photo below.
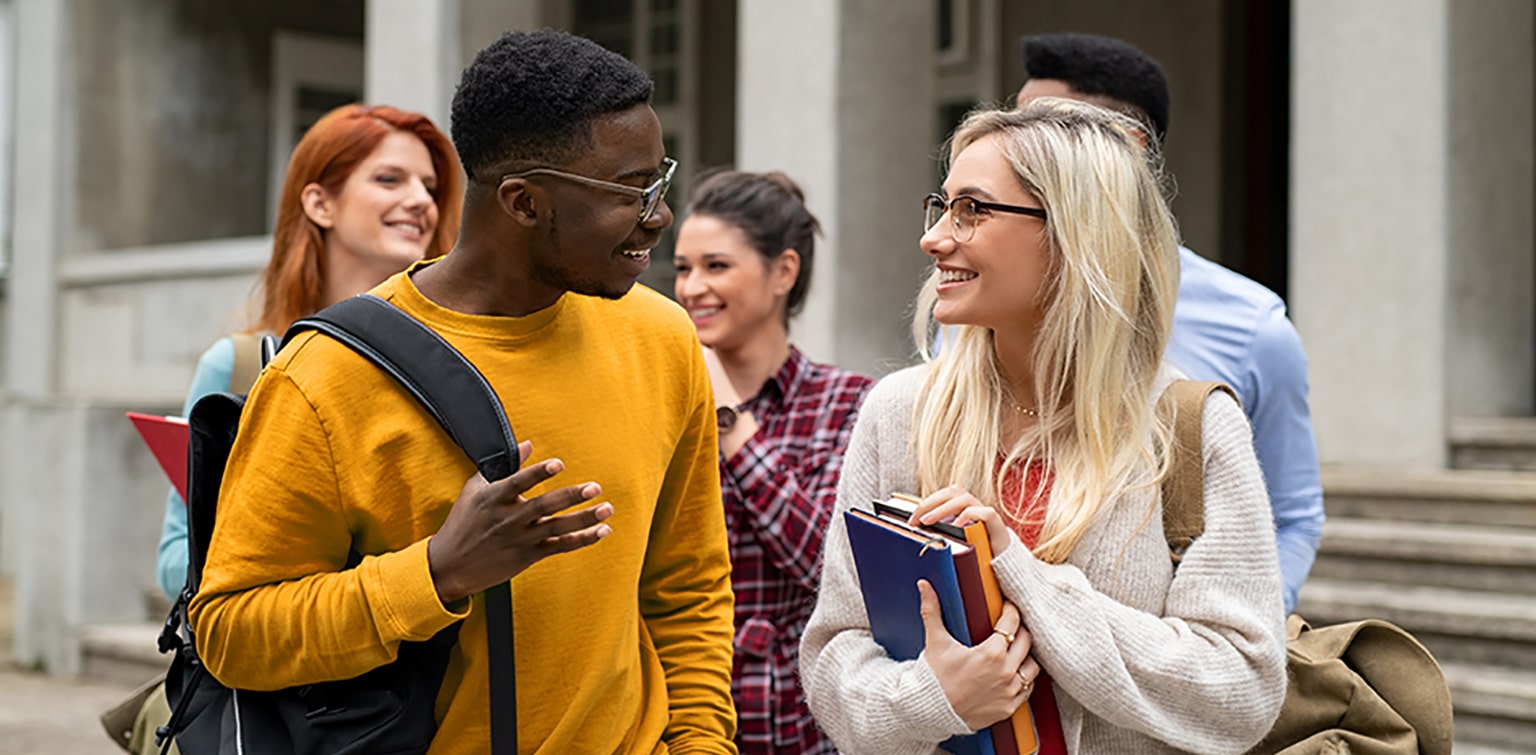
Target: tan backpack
x,y
1362,687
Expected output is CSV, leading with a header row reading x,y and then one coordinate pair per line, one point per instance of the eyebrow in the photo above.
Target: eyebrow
x,y
705,256
641,173
425,178
975,191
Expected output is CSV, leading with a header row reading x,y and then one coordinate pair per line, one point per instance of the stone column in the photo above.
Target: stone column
x,y
1370,230
1490,178
481,22
43,85
412,56
43,154
838,94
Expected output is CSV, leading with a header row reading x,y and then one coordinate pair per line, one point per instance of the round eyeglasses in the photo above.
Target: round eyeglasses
x,y
963,213
650,197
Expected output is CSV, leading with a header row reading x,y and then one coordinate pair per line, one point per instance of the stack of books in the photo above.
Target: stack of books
x,y
891,556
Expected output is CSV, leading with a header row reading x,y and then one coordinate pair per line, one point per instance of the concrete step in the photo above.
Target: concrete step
x,y
1495,708
1467,497
1457,626
1472,748
122,653
1493,443
1430,555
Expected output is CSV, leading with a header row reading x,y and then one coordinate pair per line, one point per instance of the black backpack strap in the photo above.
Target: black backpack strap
x,y
461,400
434,372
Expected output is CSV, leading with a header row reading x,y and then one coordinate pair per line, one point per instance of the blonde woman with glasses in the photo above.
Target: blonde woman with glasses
x,y
1056,269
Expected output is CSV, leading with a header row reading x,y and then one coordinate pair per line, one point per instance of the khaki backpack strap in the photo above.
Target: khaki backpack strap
x,y
247,362
1184,487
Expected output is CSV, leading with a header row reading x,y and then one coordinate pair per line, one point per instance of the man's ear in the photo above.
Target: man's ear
x,y
318,205
1142,137
517,199
783,272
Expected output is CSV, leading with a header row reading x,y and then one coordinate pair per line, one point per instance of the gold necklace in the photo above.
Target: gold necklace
x,y
1021,409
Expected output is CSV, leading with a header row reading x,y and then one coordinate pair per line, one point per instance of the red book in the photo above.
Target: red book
x,y
167,438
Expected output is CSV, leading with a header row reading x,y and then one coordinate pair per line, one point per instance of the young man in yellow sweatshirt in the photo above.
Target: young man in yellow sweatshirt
x,y
612,533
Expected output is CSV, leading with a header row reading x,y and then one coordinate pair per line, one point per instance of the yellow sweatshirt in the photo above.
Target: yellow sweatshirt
x,y
624,646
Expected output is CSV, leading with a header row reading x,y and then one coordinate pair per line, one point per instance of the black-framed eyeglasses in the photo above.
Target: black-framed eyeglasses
x,y
650,197
963,211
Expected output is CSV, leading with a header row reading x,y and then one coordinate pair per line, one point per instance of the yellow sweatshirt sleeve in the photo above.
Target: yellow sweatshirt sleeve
x,y
277,607
685,589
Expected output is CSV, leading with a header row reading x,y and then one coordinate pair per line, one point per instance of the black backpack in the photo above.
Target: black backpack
x,y
391,708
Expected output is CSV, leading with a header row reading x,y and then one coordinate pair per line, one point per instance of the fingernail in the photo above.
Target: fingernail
x,y
555,466
604,510
604,531
591,490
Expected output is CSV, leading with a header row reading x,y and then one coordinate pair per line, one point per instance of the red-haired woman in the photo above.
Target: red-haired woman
x,y
369,190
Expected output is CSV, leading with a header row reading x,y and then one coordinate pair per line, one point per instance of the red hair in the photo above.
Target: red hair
x,y
294,282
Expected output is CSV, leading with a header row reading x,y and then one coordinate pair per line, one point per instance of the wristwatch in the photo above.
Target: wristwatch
x,y
725,417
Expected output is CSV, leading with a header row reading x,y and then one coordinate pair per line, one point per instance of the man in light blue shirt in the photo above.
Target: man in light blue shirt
x,y
1225,326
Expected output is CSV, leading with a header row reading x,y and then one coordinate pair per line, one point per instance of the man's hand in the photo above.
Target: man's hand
x,y
493,533
986,683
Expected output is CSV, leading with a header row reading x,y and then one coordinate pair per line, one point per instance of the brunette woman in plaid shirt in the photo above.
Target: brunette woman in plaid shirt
x,y
744,259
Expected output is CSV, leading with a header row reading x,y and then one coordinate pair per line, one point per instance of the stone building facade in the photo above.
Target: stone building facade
x,y
1370,159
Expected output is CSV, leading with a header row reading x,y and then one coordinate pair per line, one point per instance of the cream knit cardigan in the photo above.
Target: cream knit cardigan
x,y
1142,662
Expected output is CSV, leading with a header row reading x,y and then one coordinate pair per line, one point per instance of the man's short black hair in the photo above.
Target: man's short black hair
x,y
532,97
1103,66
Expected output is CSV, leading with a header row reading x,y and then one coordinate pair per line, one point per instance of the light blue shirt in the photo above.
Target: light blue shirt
x,y
1234,330
214,369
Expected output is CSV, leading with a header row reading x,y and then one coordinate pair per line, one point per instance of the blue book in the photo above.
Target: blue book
x,y
891,558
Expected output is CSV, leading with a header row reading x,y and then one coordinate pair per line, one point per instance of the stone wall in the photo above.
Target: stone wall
x,y
89,501
174,114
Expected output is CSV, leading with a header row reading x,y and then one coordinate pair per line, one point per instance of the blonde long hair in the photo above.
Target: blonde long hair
x,y
1109,290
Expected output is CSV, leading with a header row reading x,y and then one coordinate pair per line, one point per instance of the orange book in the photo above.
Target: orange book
x,y
167,438
1026,738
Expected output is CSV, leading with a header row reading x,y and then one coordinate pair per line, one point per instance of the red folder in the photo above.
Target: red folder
x,y
167,439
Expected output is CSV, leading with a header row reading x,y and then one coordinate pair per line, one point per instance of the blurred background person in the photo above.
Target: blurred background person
x,y
1226,327
743,258
368,191
1056,256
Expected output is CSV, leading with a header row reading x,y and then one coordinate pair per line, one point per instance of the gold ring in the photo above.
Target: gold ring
x,y
1028,685
1006,635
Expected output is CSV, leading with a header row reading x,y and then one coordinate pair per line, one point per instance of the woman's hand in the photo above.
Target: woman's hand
x,y
956,504
986,683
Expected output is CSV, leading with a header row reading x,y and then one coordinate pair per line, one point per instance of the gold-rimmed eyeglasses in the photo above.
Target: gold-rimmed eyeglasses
x,y
964,212
650,197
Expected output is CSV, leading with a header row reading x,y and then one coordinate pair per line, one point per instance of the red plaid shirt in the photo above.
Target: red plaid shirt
x,y
779,492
